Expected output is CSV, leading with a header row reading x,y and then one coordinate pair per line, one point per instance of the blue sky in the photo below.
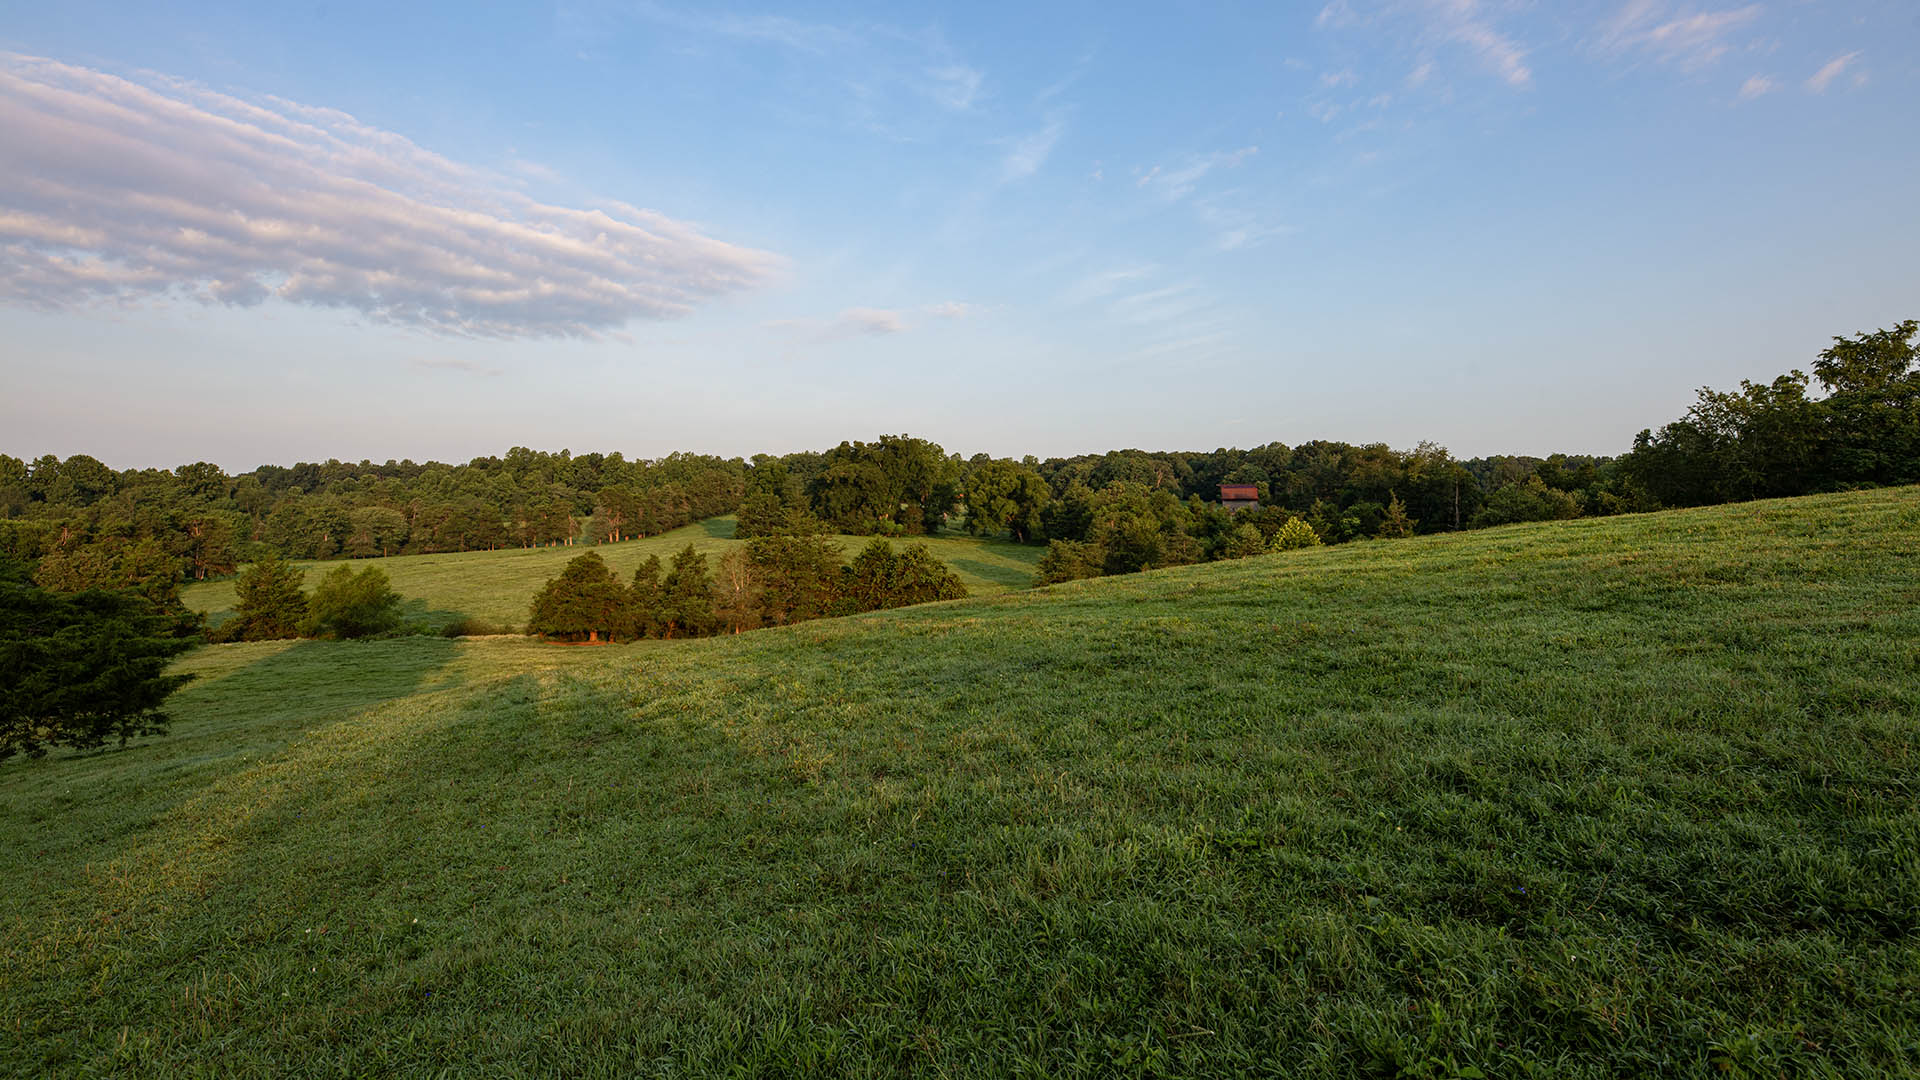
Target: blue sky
x,y
251,234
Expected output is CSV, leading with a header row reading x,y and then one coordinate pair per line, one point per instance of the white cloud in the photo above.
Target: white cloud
x,y
1027,153
1833,69
1755,86
112,190
952,309
1344,77
1688,40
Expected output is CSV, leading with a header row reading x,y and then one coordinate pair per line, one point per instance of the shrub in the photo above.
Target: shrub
x,y
349,605
1069,560
1295,534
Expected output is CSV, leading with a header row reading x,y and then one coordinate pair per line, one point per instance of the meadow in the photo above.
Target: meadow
x,y
1625,796
495,587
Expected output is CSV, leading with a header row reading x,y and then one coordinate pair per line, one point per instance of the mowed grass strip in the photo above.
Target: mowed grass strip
x,y
1633,796
496,587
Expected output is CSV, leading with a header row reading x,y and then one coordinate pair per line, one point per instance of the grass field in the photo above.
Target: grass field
x,y
497,586
1634,796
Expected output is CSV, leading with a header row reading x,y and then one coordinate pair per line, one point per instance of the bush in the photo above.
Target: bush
x,y
1292,536
1069,560
349,605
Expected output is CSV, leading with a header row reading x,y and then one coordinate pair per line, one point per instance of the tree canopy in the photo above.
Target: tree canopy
x,y
78,669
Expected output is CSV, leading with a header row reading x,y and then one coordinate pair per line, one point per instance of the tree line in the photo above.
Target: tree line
x,y
770,581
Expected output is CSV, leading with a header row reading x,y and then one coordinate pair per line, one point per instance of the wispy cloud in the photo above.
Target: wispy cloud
x,y
112,189
1103,283
952,309
859,57
1833,69
852,323
1177,182
1755,86
1432,25
1689,40
1027,153
448,363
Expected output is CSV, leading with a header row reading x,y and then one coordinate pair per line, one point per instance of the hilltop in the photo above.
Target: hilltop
x,y
1633,795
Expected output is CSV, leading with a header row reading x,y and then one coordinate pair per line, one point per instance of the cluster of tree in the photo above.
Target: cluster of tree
x,y
79,668
1777,439
772,581
89,526
270,604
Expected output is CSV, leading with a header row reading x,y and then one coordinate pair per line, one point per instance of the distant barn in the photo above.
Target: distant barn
x,y
1240,496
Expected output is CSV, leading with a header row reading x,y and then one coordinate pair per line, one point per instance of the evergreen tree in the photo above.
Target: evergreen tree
x,y
79,669
585,601
646,596
269,603
798,575
687,595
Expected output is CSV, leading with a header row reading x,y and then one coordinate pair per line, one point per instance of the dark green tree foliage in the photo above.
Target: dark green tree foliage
x,y
140,567
349,605
1069,560
1006,497
270,604
1775,439
686,604
896,485
585,603
880,577
799,577
647,596
79,669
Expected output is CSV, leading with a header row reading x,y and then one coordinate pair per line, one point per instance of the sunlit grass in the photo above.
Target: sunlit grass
x,y
1623,797
496,586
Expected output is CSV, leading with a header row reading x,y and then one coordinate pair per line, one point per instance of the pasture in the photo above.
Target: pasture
x,y
1623,796
496,586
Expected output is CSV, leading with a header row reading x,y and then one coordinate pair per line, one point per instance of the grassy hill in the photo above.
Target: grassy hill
x,y
1632,796
497,586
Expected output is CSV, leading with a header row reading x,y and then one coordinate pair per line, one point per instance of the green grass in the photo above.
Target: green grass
x,y
497,586
1624,797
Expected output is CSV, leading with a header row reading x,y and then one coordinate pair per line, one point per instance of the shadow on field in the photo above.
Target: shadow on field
x,y
415,610
996,573
310,680
720,528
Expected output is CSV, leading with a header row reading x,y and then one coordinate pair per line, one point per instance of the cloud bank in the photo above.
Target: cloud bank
x,y
115,190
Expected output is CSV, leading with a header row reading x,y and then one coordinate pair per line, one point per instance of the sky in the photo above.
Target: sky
x,y
262,233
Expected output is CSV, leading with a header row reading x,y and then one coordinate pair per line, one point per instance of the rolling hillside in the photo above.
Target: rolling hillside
x,y
1625,796
497,586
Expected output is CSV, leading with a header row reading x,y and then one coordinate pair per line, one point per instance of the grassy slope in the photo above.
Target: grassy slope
x,y
1632,796
497,586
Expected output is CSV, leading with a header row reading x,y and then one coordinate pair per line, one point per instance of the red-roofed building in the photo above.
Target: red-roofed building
x,y
1240,496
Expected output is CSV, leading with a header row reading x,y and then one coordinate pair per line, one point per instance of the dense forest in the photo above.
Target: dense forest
x,y
83,525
